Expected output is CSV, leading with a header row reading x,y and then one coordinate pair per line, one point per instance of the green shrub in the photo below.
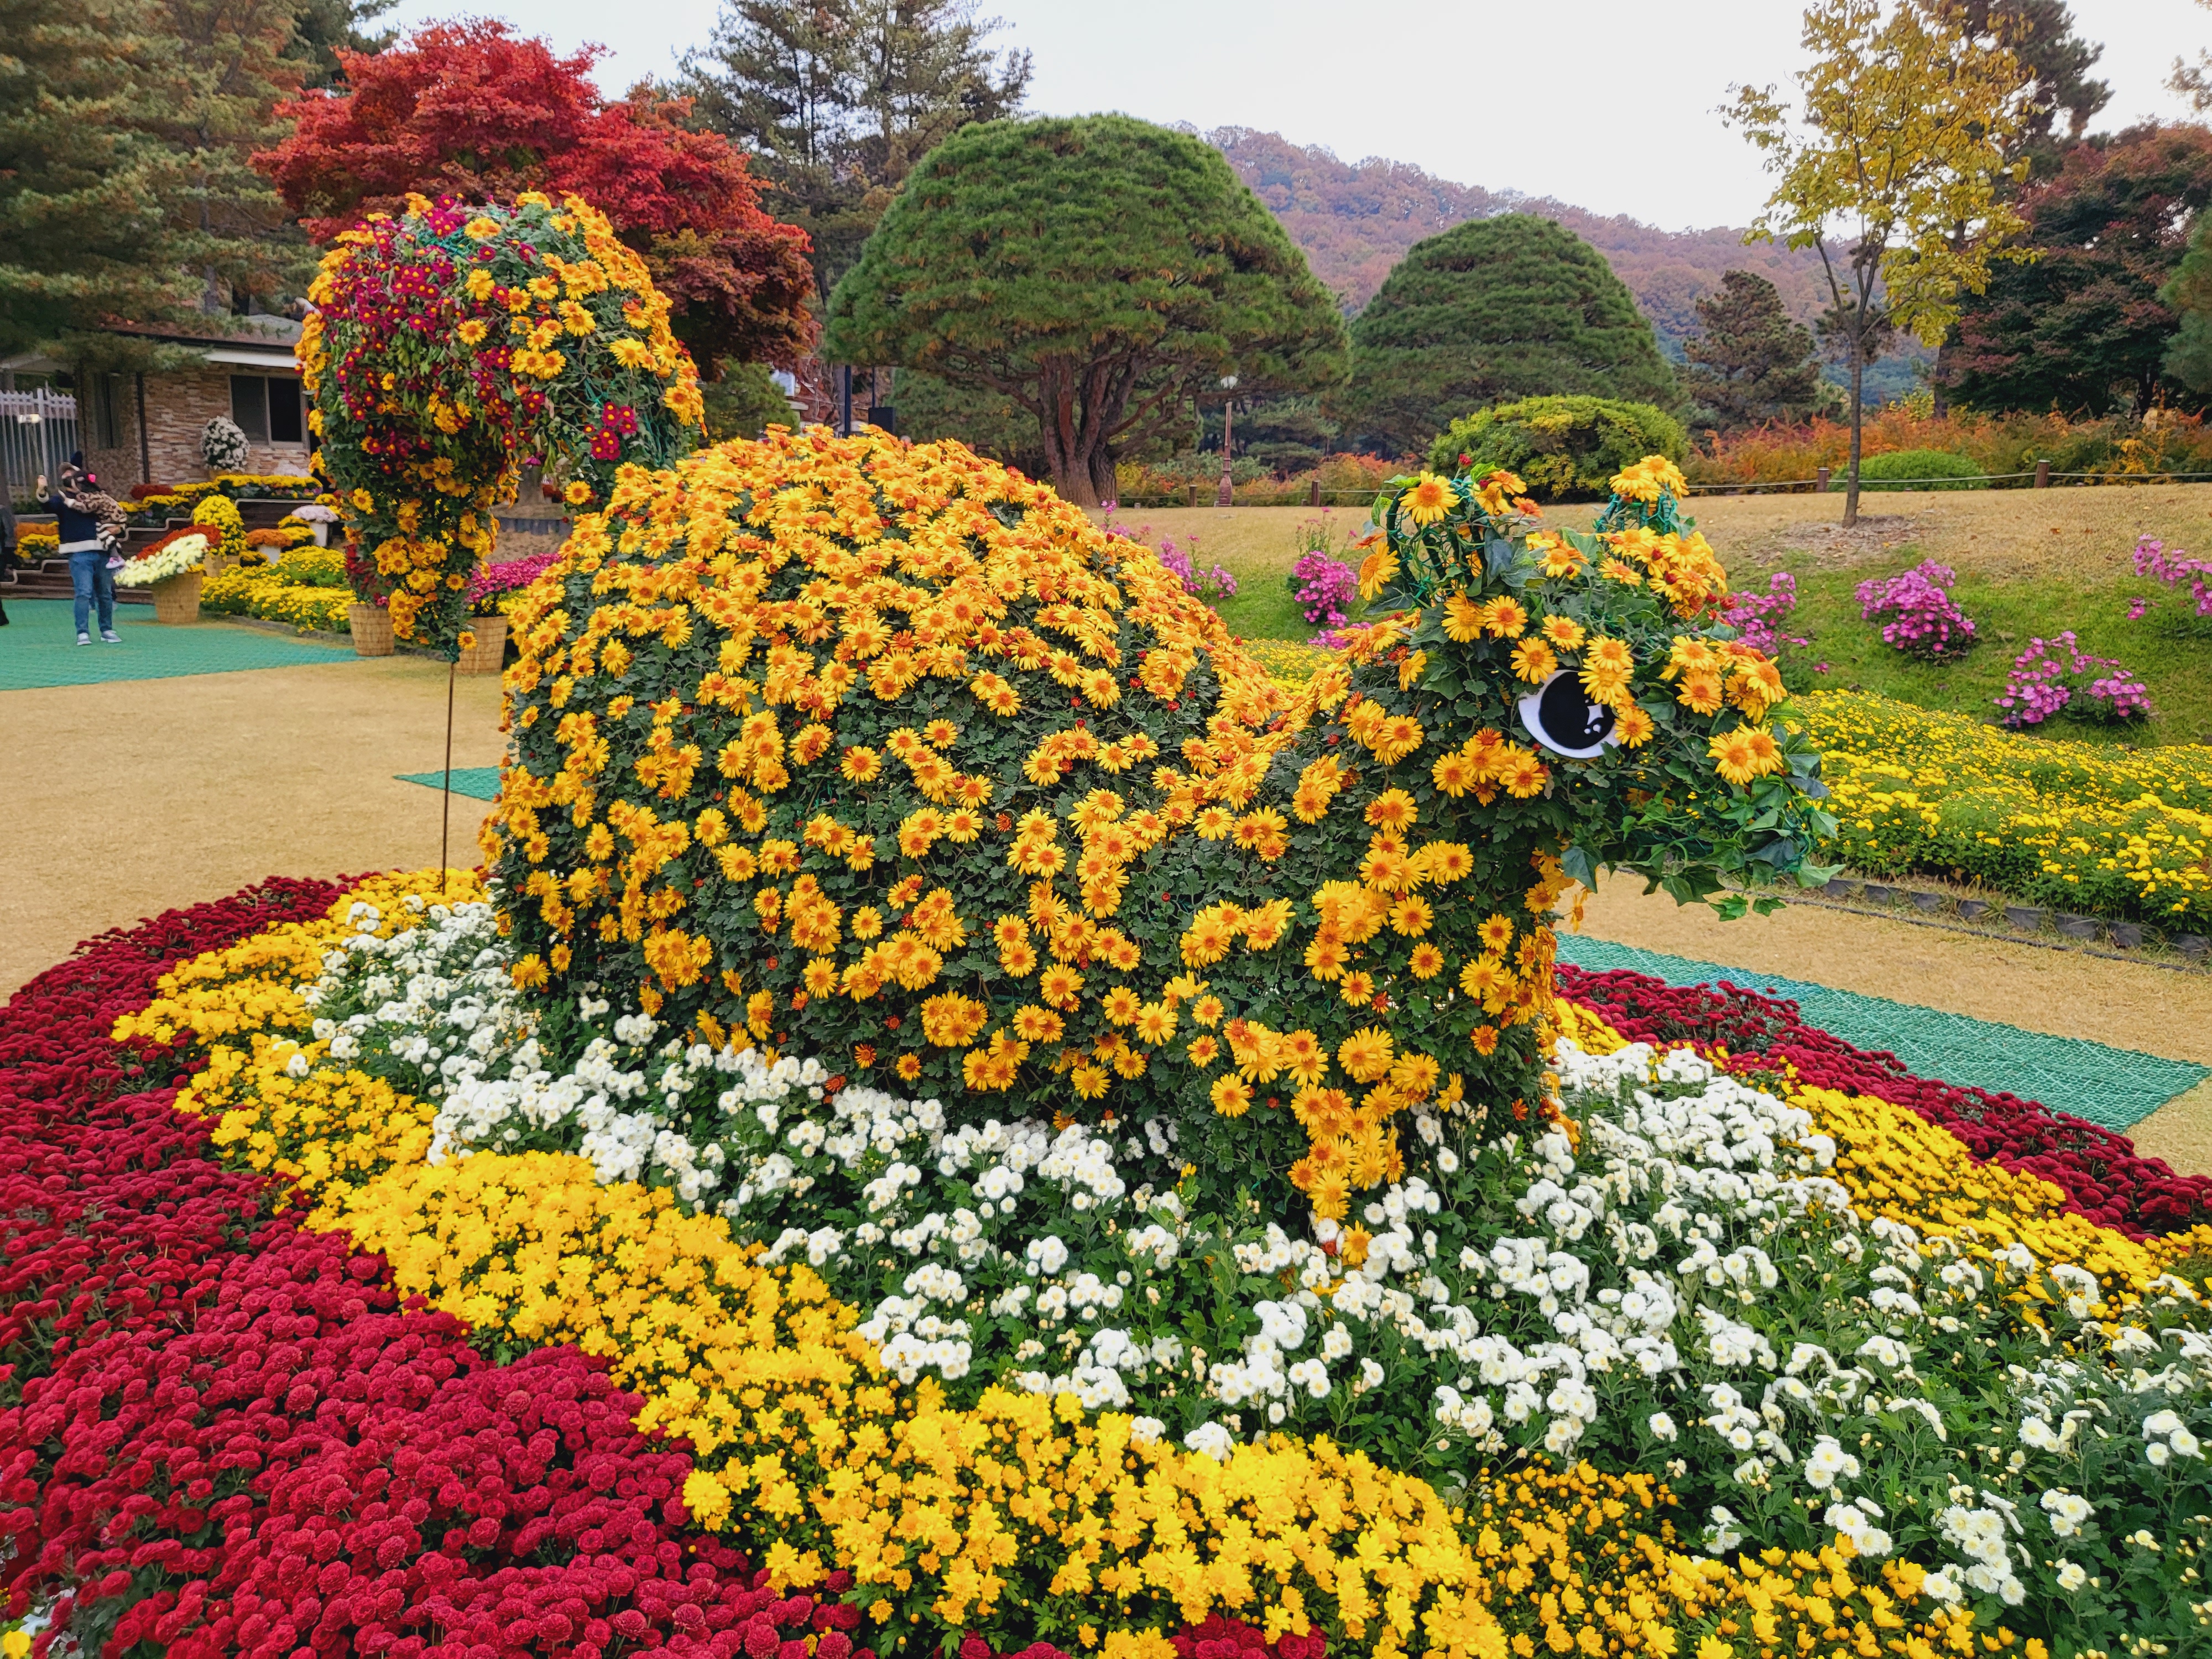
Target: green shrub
x,y
1562,447
1913,469
1488,312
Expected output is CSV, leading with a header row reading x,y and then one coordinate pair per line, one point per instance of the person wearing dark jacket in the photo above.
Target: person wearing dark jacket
x,y
84,549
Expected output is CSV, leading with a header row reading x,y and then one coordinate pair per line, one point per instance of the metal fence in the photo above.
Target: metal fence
x,y
38,431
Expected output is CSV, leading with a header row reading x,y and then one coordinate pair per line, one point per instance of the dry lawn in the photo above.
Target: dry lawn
x,y
144,794
2003,534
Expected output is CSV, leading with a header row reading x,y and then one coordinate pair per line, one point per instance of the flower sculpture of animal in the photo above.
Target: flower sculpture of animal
x,y
885,752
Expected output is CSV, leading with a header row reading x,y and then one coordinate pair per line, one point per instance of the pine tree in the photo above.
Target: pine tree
x,y
1097,272
326,27
1488,313
837,99
2057,62
232,64
83,234
1750,362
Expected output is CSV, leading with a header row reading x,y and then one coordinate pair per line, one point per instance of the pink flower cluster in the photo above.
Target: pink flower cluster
x,y
490,581
2173,568
1207,585
1924,620
2055,674
1759,618
1325,589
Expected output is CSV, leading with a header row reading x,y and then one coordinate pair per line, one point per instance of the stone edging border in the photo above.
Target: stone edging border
x,y
2004,919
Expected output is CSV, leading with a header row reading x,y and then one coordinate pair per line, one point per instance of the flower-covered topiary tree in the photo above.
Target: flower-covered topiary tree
x,y
454,339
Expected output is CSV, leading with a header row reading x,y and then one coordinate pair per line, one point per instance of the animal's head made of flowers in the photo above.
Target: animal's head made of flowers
x,y
883,751
452,343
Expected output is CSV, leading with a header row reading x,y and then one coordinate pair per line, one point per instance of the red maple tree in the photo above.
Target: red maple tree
x,y
472,109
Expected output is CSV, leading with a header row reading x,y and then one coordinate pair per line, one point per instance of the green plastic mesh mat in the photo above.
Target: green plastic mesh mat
x,y
2115,1087
477,782
39,648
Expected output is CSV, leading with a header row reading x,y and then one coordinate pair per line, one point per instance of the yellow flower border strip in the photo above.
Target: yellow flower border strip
x,y
788,1414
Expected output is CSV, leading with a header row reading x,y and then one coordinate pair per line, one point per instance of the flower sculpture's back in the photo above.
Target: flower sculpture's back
x,y
884,752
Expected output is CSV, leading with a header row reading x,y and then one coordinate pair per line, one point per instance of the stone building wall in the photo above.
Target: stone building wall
x,y
177,408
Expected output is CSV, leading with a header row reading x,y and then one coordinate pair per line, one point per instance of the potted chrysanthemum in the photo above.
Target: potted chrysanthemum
x,y
483,647
173,568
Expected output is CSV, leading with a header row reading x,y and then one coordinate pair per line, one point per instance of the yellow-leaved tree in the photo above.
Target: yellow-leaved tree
x,y
1890,165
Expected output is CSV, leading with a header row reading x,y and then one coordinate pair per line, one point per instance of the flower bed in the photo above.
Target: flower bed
x,y
2101,831
158,501
306,587
2095,1169
577,1532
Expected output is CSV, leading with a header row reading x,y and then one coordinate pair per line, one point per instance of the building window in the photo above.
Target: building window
x,y
249,406
285,424
99,410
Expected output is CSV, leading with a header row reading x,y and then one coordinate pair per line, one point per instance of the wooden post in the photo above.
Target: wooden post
x,y
1820,481
2043,475
1312,493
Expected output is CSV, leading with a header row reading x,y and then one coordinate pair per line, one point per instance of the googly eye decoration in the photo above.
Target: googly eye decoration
x,y
1559,714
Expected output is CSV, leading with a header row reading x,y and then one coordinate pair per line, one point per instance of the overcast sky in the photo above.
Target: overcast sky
x,y
1606,104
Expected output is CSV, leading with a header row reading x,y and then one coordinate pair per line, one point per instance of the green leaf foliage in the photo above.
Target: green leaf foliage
x,y
1562,448
744,403
81,230
2083,326
1099,272
1750,361
836,100
1490,312
989,423
1913,469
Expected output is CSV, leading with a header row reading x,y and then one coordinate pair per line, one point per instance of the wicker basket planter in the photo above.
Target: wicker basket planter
x,y
177,599
372,630
485,656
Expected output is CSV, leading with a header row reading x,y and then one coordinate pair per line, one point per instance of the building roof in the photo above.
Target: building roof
x,y
218,330
244,342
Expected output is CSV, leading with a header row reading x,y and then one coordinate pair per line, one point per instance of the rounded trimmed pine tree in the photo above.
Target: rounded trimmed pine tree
x,y
1097,273
1490,312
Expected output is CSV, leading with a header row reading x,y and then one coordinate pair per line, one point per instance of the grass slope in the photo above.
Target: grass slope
x,y
2030,563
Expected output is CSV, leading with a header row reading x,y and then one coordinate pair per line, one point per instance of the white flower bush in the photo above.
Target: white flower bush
x,y
187,553
1672,1280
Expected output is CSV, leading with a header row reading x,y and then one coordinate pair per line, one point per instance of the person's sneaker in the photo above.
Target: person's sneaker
x,y
84,639
109,637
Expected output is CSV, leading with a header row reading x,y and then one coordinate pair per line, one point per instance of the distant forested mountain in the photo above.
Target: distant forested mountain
x,y
1355,220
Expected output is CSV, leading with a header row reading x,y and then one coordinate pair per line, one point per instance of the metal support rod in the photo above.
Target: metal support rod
x,y
446,823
